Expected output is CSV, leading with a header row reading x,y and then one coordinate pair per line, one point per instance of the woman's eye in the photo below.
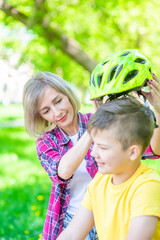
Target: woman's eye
x,y
59,100
46,111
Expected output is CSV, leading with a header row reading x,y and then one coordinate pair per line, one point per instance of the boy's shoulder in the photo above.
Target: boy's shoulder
x,y
144,174
148,181
144,193
147,173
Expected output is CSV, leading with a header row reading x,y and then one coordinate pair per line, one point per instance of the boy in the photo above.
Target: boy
x,y
123,199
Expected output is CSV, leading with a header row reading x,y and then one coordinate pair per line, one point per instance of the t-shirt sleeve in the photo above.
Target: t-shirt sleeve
x,y
87,199
146,200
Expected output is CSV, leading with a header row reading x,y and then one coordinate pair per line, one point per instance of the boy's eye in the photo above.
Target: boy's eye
x,y
103,148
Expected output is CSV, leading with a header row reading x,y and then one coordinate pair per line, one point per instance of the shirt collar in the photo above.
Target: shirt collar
x,y
63,137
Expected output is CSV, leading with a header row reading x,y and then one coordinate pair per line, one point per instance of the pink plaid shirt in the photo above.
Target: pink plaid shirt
x,y
50,150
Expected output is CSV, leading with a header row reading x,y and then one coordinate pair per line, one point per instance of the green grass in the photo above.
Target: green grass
x,y
24,185
154,163
11,112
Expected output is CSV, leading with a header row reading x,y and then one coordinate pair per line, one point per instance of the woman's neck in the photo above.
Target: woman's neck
x,y
73,128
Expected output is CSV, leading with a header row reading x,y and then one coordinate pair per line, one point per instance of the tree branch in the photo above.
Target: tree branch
x,y
67,45
13,12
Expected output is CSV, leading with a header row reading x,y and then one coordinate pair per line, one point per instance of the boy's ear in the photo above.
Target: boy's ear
x,y
135,151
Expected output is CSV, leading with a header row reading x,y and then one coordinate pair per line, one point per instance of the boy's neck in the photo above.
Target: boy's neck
x,y
118,179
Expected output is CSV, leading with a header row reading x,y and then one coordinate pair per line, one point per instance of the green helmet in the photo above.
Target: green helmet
x,y
120,73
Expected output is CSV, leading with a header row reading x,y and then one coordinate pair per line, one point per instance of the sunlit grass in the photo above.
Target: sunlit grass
x,y
22,181
11,112
24,185
154,163
18,217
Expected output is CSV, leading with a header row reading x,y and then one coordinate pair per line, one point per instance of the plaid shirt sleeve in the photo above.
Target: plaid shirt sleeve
x,y
49,155
148,154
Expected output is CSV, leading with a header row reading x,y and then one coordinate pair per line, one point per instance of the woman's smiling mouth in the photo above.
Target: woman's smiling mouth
x,y
63,118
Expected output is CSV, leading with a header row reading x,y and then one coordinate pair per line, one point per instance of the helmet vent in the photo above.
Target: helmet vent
x,y
104,62
145,82
92,80
150,70
130,76
100,79
119,69
124,54
112,72
140,60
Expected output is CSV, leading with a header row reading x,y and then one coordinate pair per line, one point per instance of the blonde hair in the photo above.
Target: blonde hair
x,y
35,125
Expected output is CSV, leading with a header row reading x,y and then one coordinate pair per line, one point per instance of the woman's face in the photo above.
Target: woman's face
x,y
55,107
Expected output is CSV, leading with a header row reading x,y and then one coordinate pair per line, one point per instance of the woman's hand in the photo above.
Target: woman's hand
x,y
154,99
154,95
96,104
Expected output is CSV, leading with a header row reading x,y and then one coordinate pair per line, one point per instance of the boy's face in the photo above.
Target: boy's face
x,y
108,152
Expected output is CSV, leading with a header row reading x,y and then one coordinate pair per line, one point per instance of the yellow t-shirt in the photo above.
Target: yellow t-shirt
x,y
114,206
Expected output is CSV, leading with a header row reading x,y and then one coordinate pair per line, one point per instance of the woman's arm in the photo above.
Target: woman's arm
x,y
155,141
58,167
73,158
154,99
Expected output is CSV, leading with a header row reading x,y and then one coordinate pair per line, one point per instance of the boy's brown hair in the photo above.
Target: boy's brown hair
x,y
129,119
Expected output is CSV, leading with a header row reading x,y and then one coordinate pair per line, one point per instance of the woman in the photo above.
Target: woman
x,y
63,146
49,102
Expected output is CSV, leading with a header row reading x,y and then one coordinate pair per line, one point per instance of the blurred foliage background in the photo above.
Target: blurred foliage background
x,y
68,38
